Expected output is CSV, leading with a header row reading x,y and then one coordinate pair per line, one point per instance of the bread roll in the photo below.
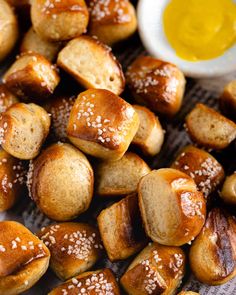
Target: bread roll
x,y
111,21
213,253
172,208
60,108
12,180
228,192
74,247
24,259
120,177
59,20
228,100
204,169
34,43
60,181
31,77
100,282
188,293
150,135
23,130
8,29
156,270
210,129
157,84
121,229
102,124
92,64
6,98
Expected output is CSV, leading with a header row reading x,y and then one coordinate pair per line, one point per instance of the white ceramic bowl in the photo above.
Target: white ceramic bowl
x,y
151,31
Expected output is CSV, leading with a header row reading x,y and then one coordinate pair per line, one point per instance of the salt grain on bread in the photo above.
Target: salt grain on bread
x,y
24,258
100,282
55,20
156,270
150,135
121,229
209,128
12,180
74,247
23,130
228,191
60,181
34,43
111,21
102,124
157,84
121,177
6,98
227,100
172,209
92,64
8,29
213,253
202,167
31,77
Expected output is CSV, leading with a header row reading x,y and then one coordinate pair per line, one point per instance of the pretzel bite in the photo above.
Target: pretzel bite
x,y
213,253
120,177
156,270
209,128
157,84
228,192
60,108
8,29
31,77
121,229
172,209
55,20
92,64
102,124
12,180
24,259
150,135
100,282
188,293
228,100
205,170
23,130
7,99
60,181
111,21
74,247
32,42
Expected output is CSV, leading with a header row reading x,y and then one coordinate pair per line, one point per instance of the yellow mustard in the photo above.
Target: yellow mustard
x,y
200,29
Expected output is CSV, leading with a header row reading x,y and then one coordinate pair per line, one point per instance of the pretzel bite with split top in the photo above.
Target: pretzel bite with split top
x,y
172,209
100,282
31,77
32,42
92,64
12,180
228,191
7,99
121,229
102,124
209,128
111,21
156,270
121,177
157,84
213,253
23,130
202,167
60,181
24,258
74,247
55,20
150,135
8,29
